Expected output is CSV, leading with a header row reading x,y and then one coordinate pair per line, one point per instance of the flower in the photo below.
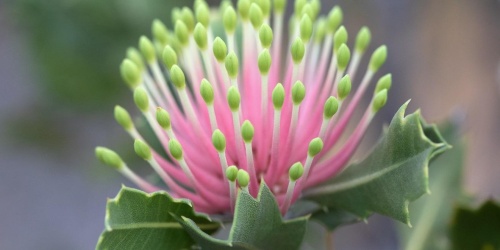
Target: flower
x,y
243,108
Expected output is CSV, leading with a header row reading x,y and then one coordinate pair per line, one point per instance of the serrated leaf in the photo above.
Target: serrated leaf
x,y
257,225
393,174
476,229
137,220
431,214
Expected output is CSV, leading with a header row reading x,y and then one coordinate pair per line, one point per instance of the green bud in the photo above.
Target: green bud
x,y
266,35
175,149
339,38
177,76
278,96
136,57
130,73
163,118
220,49
343,57
231,173
233,98
243,178
198,3
279,6
363,39
316,7
296,171
200,36
123,118
264,61
232,64
265,6
331,107
230,20
181,32
247,131
299,5
188,18
315,146
176,14
219,141
169,57
385,82
207,92
379,100
306,28
243,8
298,92
256,15
335,18
298,50
142,150
378,58
321,28
141,99
224,4
202,14
160,32
109,157
307,11
344,87
148,49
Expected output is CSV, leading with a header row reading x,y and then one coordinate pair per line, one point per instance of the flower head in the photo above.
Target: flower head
x,y
232,112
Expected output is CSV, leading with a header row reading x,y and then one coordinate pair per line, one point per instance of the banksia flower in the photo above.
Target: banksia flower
x,y
232,112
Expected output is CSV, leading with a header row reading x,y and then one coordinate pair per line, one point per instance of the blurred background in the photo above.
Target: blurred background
x,y
59,82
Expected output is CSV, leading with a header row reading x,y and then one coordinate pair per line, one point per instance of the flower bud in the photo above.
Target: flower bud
x,y
169,57
264,62
298,50
379,100
298,92
315,147
233,98
335,18
230,20
265,6
385,82
136,57
279,6
160,32
130,73
363,39
147,49
175,149
177,76
181,32
200,36
378,58
202,14
243,8
266,36
123,118
340,37
299,5
247,131
306,28
256,15
207,92
243,178
163,118
296,171
343,57
142,150
232,65
231,173
219,141
278,96
331,107
220,49
187,17
344,87
321,28
141,99
109,157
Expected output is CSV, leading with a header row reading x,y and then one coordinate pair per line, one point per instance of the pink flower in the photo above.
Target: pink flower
x,y
268,108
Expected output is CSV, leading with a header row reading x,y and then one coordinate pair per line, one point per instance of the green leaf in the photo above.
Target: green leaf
x,y
477,229
137,220
257,225
392,175
431,214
